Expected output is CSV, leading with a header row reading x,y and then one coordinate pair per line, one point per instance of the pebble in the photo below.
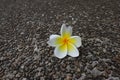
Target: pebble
x,y
69,77
95,72
24,79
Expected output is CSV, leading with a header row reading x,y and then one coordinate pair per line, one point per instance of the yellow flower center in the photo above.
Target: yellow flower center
x,y
65,41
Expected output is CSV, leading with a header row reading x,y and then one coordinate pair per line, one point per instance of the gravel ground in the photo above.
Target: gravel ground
x,y
25,26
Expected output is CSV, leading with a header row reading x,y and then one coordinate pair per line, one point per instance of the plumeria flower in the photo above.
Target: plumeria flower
x,y
66,44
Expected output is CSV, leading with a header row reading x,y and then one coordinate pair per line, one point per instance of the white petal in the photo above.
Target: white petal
x,y
66,30
53,36
72,50
54,40
63,27
60,51
76,40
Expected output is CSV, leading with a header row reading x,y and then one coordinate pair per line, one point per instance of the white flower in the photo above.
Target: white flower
x,y
65,44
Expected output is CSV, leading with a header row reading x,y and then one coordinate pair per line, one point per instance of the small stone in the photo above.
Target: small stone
x,y
78,69
95,72
69,77
105,74
24,79
83,75
100,68
104,50
42,78
22,66
94,63
68,68
18,75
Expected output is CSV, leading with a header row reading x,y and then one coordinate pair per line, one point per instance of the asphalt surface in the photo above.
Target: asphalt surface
x,y
25,27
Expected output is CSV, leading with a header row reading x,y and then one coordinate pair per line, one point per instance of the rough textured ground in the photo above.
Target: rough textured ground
x,y
25,26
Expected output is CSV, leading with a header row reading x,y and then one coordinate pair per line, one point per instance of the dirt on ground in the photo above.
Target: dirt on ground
x,y
25,27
